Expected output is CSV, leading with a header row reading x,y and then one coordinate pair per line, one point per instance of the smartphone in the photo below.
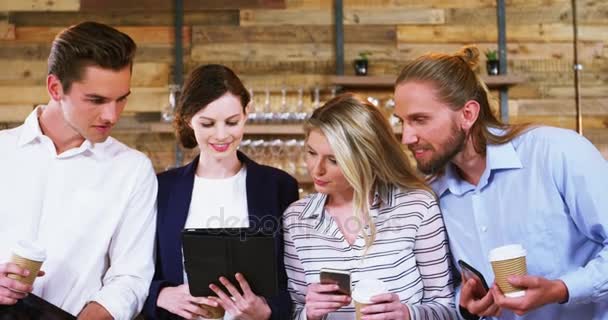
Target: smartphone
x,y
339,277
469,272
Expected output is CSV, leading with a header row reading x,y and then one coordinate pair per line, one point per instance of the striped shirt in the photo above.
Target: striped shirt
x,y
409,253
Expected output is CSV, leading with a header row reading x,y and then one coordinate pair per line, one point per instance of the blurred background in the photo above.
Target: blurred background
x,y
286,53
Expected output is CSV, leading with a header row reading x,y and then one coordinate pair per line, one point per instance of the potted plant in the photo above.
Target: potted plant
x,y
361,63
492,62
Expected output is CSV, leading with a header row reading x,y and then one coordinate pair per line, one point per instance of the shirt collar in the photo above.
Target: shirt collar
x,y
314,209
31,132
31,128
498,157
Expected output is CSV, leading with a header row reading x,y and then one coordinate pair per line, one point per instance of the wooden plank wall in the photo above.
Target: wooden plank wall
x,y
289,43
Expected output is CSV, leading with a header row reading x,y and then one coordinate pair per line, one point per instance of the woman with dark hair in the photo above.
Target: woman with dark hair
x,y
219,186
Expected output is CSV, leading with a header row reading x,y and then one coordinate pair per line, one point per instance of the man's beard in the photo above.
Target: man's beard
x,y
451,147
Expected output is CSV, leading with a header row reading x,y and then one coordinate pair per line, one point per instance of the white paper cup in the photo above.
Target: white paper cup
x,y
509,260
364,291
28,255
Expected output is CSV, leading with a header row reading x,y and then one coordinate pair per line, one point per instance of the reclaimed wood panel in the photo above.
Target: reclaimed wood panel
x,y
7,30
292,34
273,68
141,18
531,14
390,16
563,107
325,4
39,5
518,33
14,113
515,50
568,122
22,72
262,52
140,100
33,51
146,35
34,72
164,5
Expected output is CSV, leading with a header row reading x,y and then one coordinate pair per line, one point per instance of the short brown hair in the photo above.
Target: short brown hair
x,y
85,44
456,83
204,85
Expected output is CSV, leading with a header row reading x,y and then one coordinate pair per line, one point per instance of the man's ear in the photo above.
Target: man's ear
x,y
469,114
54,87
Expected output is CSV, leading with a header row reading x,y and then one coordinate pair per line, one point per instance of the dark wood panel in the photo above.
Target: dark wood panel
x,y
129,18
164,5
293,34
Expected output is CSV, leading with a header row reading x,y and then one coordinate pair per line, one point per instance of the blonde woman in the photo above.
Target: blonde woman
x,y
371,216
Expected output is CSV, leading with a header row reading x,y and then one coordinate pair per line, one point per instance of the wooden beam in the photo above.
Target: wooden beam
x,y
563,107
7,30
262,52
523,33
22,72
292,34
189,5
14,113
140,100
144,35
39,5
324,4
515,50
351,16
136,18
392,16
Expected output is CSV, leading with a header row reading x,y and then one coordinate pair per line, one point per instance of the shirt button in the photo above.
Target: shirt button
x,y
484,229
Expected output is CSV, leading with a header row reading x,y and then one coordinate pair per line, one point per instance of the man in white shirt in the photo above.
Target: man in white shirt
x,y
66,184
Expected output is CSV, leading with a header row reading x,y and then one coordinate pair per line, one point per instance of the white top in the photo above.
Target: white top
x,y
219,203
92,207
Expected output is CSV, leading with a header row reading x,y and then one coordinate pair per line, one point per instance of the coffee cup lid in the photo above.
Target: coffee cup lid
x,y
367,288
510,251
30,250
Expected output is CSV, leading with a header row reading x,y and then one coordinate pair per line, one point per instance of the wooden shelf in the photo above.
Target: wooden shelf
x,y
388,82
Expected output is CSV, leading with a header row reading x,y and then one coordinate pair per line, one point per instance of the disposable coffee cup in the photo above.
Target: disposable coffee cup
x,y
28,255
509,260
216,313
364,291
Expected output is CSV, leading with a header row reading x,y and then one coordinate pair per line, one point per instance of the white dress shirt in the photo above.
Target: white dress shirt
x,y
92,208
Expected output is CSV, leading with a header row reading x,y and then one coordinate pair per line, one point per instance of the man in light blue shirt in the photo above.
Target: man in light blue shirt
x,y
542,187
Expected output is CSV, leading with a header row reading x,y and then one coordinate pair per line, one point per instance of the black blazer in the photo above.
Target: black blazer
x,y
269,192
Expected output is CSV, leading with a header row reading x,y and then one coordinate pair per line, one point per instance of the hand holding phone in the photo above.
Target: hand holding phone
x,y
468,272
475,301
339,277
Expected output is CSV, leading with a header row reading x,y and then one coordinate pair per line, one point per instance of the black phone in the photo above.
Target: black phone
x,y
339,277
469,272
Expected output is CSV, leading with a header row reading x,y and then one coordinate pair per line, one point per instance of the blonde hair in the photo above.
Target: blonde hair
x,y
456,83
366,150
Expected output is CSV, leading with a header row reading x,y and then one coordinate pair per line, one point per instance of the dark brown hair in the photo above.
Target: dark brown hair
x,y
204,85
456,83
85,44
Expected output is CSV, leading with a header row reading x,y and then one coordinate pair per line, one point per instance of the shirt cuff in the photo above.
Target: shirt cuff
x,y
117,310
579,286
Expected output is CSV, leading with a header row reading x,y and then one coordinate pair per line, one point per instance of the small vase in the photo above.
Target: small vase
x,y
492,67
360,67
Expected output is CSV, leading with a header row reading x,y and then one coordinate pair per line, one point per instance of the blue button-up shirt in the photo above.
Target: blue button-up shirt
x,y
547,190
